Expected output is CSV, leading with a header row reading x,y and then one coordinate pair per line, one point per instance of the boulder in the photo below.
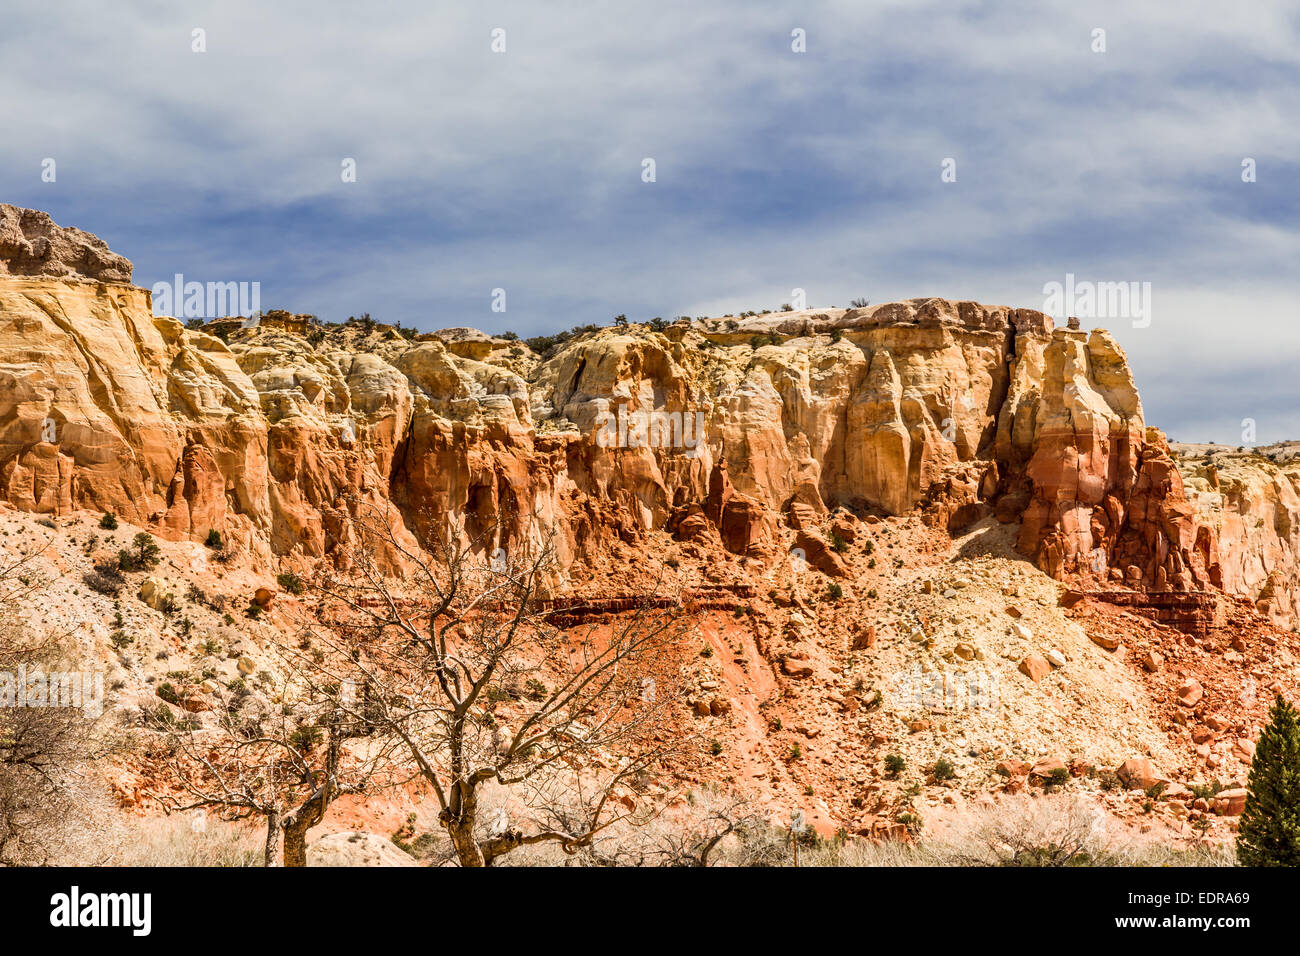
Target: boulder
x,y
1230,803
1108,642
864,637
156,593
1043,769
799,668
1190,692
1136,773
1035,667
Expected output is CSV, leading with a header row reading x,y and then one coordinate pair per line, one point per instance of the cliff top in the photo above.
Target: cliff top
x,y
33,244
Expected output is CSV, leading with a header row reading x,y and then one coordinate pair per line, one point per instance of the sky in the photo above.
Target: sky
x,y
968,150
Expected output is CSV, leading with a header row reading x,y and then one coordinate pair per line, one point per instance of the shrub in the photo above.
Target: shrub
x,y
213,540
109,521
943,770
306,737
167,692
100,583
894,765
1269,831
859,303
290,582
143,555
1205,791
838,542
834,591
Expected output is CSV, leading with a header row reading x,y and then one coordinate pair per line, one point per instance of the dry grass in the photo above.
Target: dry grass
x,y
1059,830
170,841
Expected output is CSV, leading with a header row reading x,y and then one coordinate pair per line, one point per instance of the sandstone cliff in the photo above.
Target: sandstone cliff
x,y
711,429
1251,502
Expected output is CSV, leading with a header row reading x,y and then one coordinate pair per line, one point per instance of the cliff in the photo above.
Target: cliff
x,y
712,429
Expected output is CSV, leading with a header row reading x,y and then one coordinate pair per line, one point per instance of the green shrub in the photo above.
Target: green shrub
x,y
109,521
213,540
894,765
306,737
943,770
143,555
290,582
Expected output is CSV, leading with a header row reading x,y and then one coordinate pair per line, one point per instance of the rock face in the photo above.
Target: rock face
x,y
1250,502
33,244
102,406
712,429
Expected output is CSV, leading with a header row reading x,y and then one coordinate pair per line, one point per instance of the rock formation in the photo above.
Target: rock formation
x,y
33,244
711,428
1248,504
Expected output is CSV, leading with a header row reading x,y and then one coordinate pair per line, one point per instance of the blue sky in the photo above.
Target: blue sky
x,y
775,170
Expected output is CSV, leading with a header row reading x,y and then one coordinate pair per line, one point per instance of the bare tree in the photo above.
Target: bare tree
x,y
285,763
46,748
462,662
711,822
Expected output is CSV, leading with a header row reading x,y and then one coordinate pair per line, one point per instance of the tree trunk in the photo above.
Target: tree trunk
x,y
467,848
295,843
272,852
